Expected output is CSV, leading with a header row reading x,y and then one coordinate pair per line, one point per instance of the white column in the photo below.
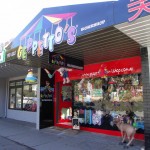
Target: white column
x,y
148,50
38,101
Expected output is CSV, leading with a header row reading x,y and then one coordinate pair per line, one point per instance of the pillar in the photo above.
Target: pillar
x,y
145,59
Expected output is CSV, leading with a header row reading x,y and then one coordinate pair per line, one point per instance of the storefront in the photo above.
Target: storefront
x,y
100,93
109,75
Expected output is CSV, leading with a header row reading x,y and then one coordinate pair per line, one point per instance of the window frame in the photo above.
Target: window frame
x,y
15,88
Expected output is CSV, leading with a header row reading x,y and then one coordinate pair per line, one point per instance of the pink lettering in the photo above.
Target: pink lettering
x,y
139,6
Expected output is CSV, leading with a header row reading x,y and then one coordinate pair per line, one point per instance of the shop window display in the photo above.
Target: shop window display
x,y
66,113
66,93
98,101
66,103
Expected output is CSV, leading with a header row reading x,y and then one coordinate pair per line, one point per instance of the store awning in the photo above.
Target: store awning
x,y
100,35
100,46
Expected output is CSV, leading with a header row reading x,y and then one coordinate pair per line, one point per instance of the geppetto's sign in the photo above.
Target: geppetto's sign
x,y
36,47
54,25
65,61
113,68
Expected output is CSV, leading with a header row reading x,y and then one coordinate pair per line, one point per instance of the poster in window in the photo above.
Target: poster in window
x,y
66,93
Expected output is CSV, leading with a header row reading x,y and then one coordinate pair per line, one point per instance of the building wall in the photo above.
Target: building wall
x,y
2,97
145,54
22,115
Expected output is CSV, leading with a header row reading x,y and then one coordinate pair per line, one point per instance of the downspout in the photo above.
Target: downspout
x,y
6,98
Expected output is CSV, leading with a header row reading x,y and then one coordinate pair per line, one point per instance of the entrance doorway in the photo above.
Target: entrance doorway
x,y
46,100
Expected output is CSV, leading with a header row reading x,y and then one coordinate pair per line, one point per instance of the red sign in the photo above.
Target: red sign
x,y
112,68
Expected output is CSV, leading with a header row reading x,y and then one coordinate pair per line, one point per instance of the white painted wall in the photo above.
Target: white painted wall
x,y
22,115
2,96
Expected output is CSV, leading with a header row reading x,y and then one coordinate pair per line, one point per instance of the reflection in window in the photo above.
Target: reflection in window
x,y
18,97
29,94
12,98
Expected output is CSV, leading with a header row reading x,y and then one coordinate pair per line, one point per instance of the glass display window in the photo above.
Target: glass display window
x,y
102,99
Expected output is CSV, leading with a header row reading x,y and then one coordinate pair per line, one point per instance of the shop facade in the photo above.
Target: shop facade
x,y
110,70
101,92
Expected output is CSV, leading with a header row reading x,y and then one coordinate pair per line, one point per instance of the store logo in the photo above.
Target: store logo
x,y
139,6
56,36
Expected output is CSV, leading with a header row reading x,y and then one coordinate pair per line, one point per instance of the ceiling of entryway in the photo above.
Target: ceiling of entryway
x,y
138,30
100,46
9,70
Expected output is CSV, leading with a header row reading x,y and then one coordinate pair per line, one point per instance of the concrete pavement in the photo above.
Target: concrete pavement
x,y
7,144
57,138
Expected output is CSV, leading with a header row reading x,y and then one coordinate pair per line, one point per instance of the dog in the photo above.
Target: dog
x,y
126,130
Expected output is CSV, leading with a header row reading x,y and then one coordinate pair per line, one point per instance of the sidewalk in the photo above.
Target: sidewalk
x,y
54,138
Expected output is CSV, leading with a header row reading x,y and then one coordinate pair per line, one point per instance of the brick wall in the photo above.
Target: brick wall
x,y
145,55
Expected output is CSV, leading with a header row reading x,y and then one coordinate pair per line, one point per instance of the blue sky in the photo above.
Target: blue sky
x,y
16,14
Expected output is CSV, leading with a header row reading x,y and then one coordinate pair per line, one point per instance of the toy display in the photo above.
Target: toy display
x,y
66,93
30,78
63,72
102,99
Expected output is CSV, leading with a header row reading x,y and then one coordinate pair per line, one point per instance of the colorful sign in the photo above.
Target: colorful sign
x,y
57,59
55,25
55,36
65,61
22,53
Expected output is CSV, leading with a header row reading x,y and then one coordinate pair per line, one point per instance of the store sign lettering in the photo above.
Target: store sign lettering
x,y
36,47
139,6
11,54
104,73
22,53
